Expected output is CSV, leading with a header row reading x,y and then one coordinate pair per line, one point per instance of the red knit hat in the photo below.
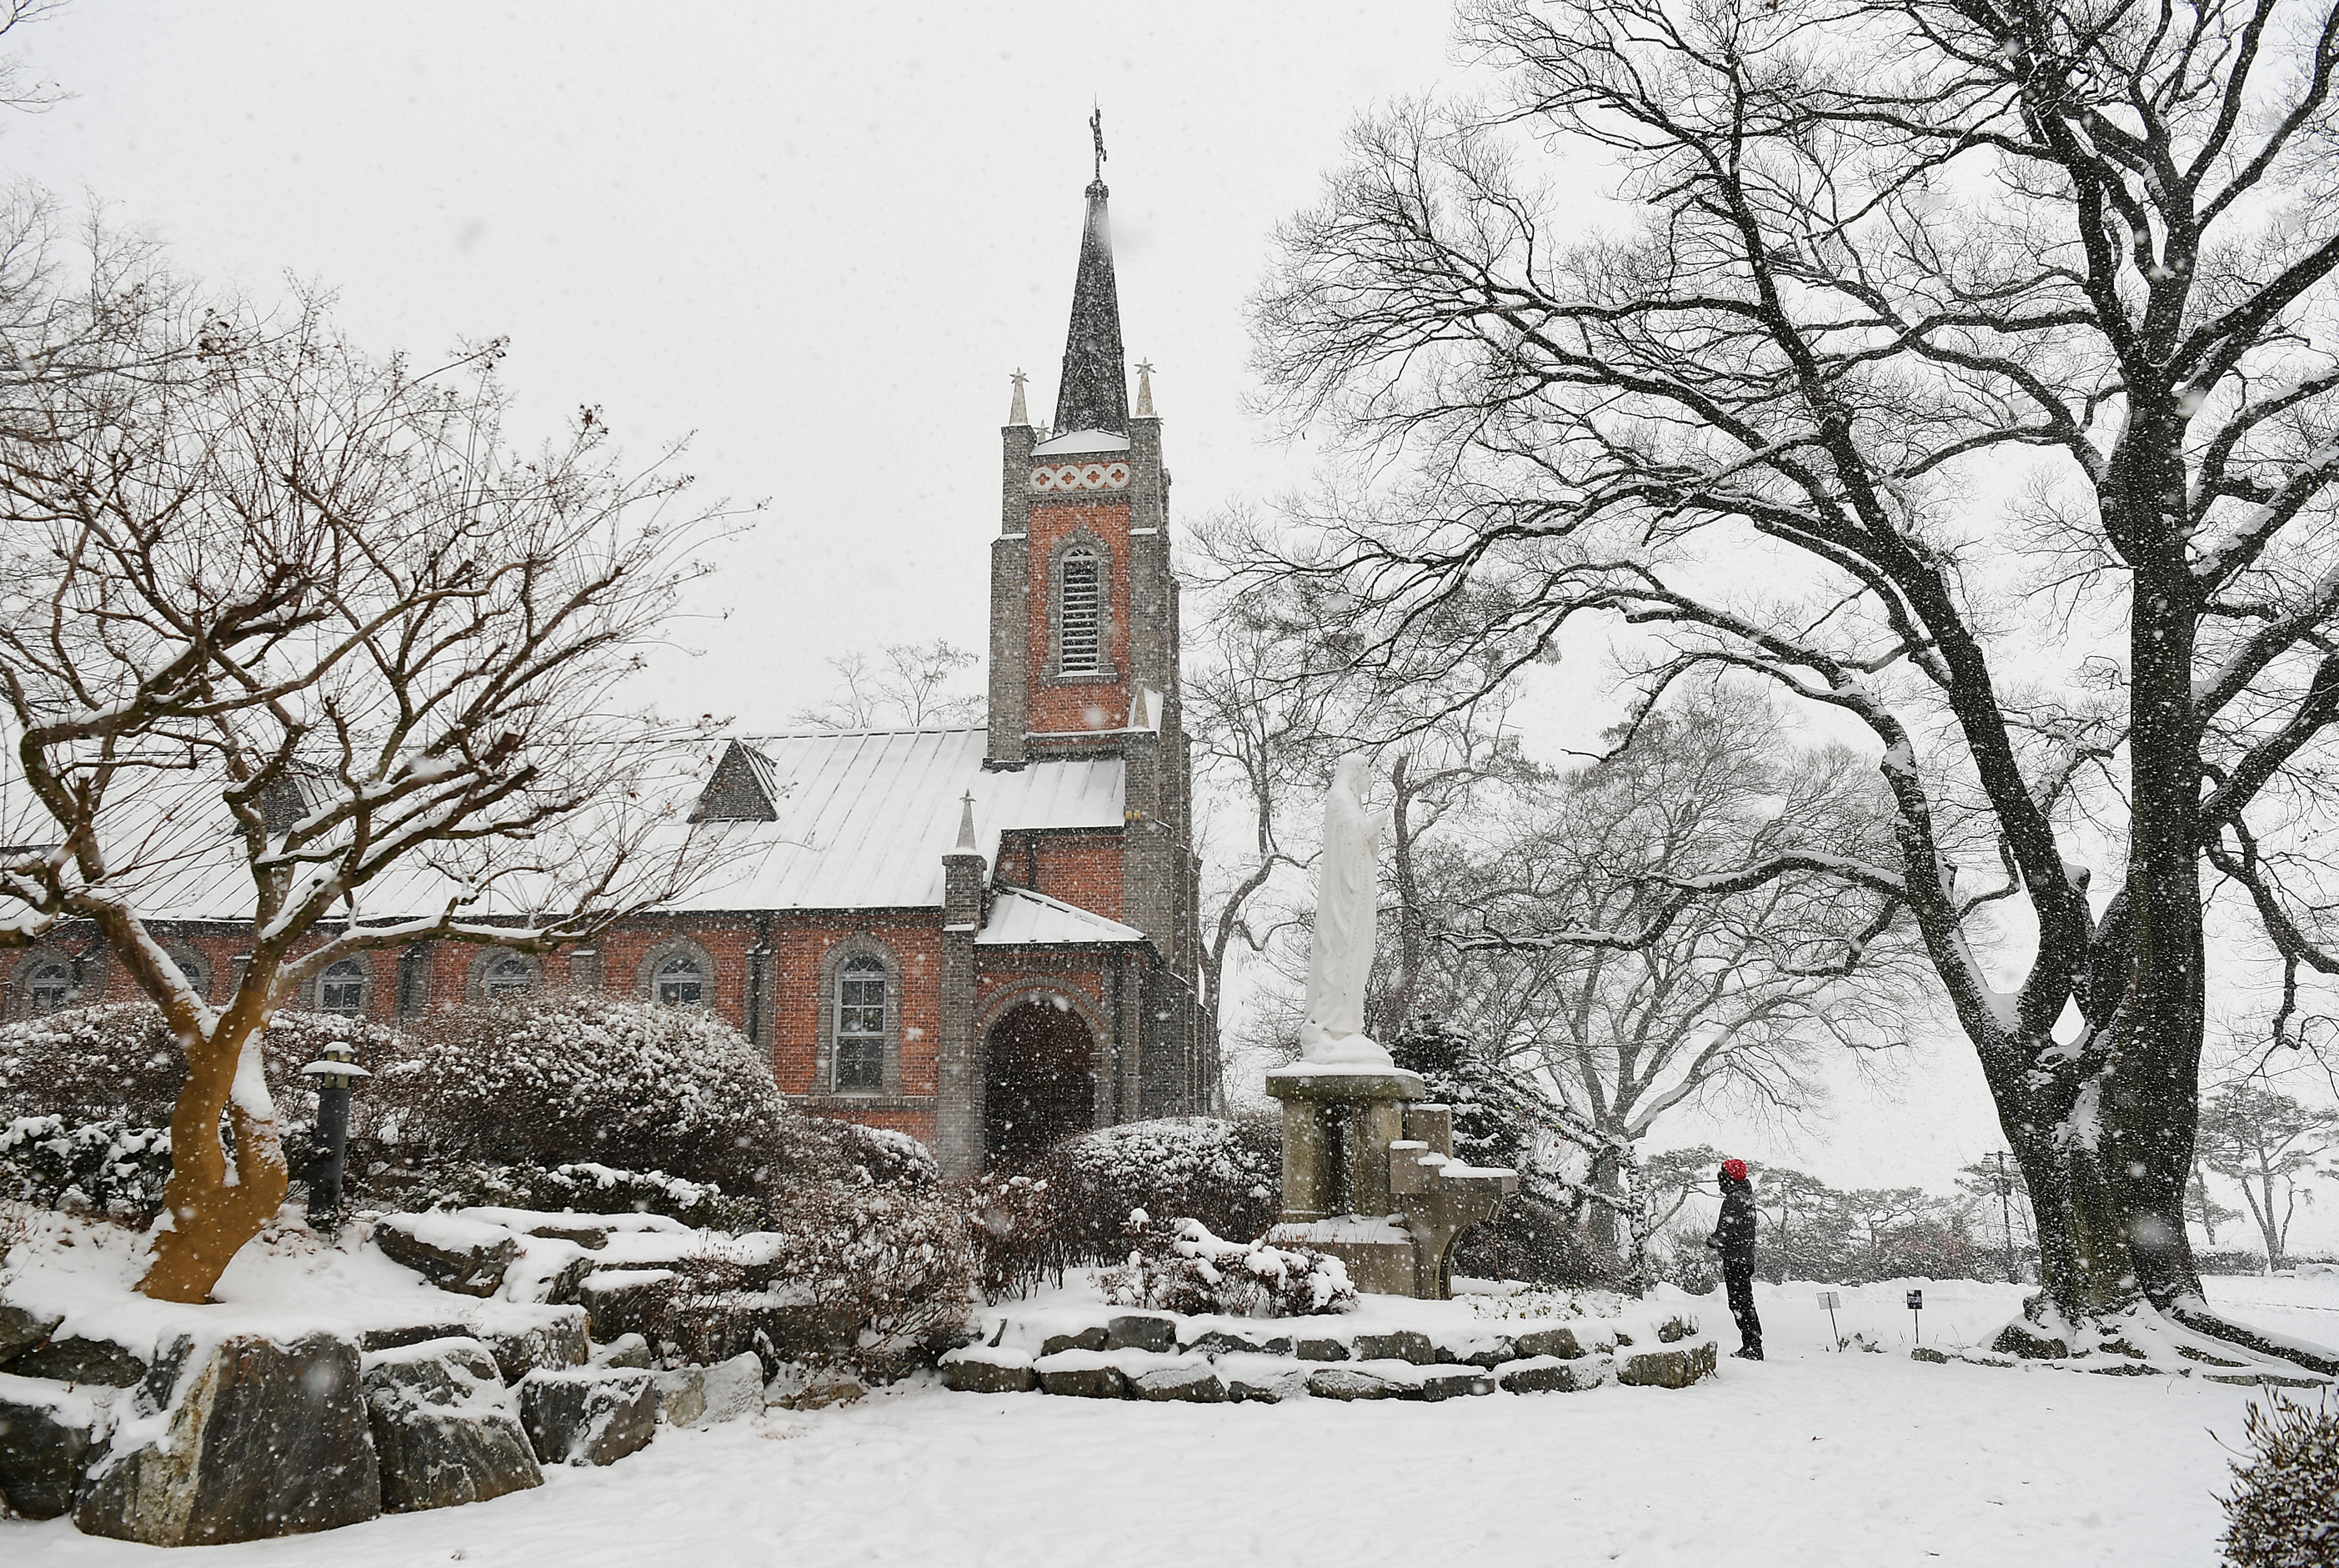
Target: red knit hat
x,y
1734,1168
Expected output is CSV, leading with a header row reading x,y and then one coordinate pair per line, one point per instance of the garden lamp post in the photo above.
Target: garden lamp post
x,y
334,1074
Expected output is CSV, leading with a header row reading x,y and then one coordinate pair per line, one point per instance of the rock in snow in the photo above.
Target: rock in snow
x,y
445,1427
20,1330
588,1415
977,1370
46,1432
234,1439
703,1396
74,1359
464,1256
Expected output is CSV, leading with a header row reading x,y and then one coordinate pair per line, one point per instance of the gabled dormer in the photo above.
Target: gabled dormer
x,y
742,788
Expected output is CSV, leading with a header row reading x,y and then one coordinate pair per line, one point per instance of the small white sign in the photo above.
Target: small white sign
x,y
1830,1300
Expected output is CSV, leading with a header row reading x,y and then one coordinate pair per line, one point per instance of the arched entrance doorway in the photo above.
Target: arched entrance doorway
x,y
1041,1079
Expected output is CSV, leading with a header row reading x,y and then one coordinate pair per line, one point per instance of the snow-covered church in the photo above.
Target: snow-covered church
x,y
985,938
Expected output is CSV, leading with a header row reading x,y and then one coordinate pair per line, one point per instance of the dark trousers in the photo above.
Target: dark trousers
x,y
1738,1279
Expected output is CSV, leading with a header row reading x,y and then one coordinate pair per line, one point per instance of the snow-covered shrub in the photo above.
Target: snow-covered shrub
x,y
1228,1175
818,1148
110,1166
895,1262
555,1080
1012,1221
2281,1513
1186,1269
2238,1261
1534,1242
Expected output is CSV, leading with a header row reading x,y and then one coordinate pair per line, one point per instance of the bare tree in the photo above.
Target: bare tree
x,y
2267,1144
908,686
1260,755
303,634
1873,261
1738,996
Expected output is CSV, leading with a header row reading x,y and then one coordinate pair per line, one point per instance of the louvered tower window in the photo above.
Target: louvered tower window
x,y
1081,617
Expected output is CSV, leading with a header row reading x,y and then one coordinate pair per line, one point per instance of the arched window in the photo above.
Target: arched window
x,y
48,988
342,989
861,1024
507,975
1080,612
680,981
191,964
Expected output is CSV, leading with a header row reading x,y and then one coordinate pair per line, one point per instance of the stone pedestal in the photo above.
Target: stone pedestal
x,y
1370,1176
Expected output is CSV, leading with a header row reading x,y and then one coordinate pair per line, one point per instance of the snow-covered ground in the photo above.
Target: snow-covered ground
x,y
1811,1459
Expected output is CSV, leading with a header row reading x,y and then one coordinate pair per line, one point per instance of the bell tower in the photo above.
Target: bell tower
x,y
1084,605
1083,602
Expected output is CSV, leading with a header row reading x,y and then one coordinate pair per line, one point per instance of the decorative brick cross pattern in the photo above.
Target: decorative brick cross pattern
x,y
1082,477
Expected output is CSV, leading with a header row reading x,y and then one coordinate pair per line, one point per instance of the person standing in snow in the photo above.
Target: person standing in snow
x,y
1733,1238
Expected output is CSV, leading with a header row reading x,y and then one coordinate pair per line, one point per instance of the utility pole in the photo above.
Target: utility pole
x,y
2005,1184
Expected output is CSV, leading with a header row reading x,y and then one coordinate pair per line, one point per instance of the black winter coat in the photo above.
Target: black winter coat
x,y
1733,1234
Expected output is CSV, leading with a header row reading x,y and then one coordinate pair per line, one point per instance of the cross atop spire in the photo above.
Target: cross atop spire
x,y
1094,394
1145,389
966,841
1017,414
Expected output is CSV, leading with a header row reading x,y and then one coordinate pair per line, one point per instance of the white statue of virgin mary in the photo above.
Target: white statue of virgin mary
x,y
1347,898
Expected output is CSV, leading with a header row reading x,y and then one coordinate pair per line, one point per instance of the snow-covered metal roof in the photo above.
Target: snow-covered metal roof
x,y
1022,918
866,819
861,822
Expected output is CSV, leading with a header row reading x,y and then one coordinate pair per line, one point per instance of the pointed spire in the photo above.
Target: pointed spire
x,y
1144,389
1016,412
1094,394
966,844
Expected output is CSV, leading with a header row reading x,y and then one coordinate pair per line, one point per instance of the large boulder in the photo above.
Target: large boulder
x,y
236,1439
467,1257
445,1427
588,1415
703,1396
47,1434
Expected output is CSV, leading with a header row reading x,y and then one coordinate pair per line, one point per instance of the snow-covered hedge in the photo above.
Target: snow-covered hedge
x,y
119,1060
558,1079
1186,1269
1228,1175
106,1167
584,1188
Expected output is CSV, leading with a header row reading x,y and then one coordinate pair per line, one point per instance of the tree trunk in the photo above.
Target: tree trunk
x,y
1600,1224
211,1208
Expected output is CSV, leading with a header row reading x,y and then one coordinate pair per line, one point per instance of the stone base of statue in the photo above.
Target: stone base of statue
x,y
1369,1176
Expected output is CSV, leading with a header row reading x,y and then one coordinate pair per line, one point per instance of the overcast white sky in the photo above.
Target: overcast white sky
x,y
813,238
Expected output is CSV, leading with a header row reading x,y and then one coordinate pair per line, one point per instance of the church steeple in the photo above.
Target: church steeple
x,y
1094,394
